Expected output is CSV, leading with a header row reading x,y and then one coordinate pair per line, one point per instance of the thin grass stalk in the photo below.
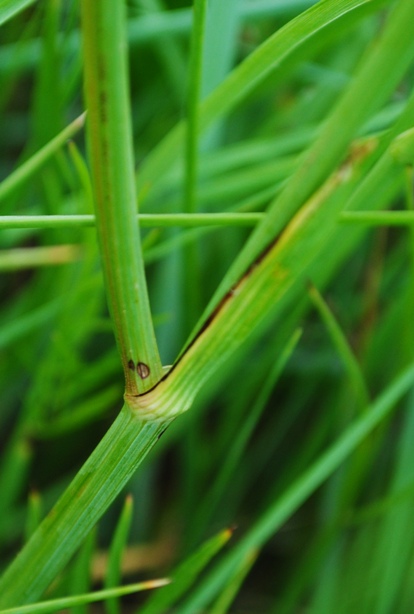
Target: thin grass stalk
x,y
148,220
24,172
349,360
110,139
192,268
194,90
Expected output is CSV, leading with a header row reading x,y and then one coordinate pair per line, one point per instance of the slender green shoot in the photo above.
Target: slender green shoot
x,y
110,138
351,365
149,220
113,574
186,574
194,90
21,175
54,605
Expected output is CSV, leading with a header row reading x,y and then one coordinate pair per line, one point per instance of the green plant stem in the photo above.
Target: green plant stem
x,y
194,89
252,297
113,575
192,268
349,360
110,139
164,220
378,218
95,486
54,605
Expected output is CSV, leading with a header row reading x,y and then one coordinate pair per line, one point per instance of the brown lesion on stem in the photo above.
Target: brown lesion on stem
x,y
229,296
143,370
357,153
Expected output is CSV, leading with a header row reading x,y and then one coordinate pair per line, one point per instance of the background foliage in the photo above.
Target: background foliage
x,y
330,347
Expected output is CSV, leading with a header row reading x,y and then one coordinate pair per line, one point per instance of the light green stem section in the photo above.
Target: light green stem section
x,y
197,41
110,138
165,220
55,605
95,486
191,256
253,296
378,218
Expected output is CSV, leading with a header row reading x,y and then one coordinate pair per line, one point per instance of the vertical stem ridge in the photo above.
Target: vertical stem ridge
x,y
111,153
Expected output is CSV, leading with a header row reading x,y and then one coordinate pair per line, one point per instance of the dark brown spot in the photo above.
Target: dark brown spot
x,y
143,370
131,364
230,294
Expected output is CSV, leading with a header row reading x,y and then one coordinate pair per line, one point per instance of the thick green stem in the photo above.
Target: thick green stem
x,y
95,486
263,285
110,140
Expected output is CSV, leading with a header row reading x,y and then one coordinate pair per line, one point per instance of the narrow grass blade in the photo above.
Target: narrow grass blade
x,y
234,454
395,539
221,606
83,174
247,76
14,330
220,49
345,352
34,514
287,503
33,257
54,605
192,263
10,8
113,573
21,175
161,220
80,574
193,101
85,412
185,575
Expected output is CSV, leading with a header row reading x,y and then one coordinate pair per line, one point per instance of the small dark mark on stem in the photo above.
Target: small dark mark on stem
x,y
161,434
230,294
234,290
143,370
131,364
